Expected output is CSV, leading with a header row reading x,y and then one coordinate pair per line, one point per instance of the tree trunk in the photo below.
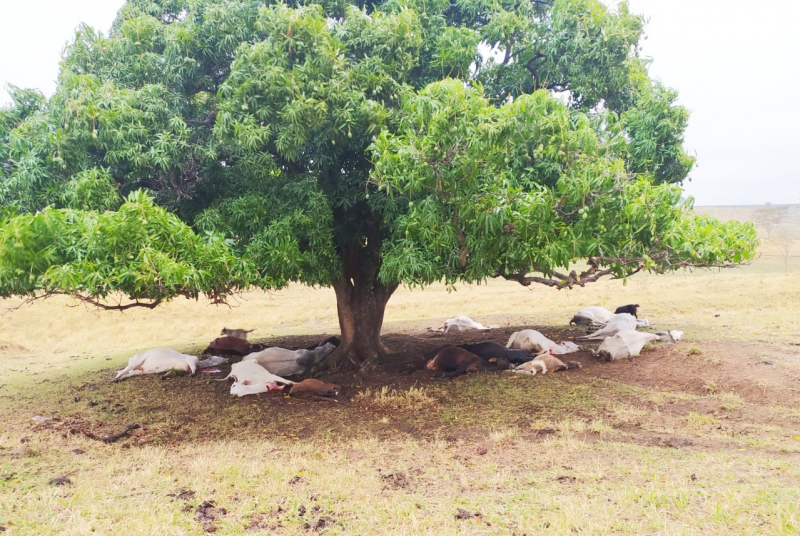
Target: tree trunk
x,y
361,302
361,308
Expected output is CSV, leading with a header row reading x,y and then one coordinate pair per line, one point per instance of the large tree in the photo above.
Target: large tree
x,y
209,146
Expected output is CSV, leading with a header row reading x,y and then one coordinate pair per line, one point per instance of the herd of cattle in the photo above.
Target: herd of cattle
x,y
528,351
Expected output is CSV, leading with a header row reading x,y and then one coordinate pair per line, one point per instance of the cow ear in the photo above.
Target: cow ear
x,y
493,360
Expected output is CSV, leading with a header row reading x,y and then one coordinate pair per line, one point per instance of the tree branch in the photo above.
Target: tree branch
x,y
564,281
593,274
119,307
89,301
207,122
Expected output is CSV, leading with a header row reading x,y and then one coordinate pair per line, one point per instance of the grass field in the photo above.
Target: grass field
x,y
700,437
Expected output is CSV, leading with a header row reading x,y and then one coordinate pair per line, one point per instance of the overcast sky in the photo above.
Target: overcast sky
x,y
734,63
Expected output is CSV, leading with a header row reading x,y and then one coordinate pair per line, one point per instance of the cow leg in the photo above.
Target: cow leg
x,y
458,372
128,374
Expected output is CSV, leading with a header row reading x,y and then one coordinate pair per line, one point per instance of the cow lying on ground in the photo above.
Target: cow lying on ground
x,y
453,361
617,323
532,341
488,350
238,333
463,323
544,363
290,362
630,309
593,315
336,341
156,361
629,343
212,361
232,345
312,387
250,378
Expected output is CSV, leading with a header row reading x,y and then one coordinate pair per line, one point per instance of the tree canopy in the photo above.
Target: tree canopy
x,y
209,146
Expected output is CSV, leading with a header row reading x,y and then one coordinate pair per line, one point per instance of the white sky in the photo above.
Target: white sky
x,y
734,63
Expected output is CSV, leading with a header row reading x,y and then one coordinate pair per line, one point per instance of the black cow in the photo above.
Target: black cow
x,y
630,309
488,350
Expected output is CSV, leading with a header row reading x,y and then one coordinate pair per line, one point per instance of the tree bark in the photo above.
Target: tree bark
x,y
361,301
361,308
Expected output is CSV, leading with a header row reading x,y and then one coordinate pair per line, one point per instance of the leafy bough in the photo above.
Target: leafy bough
x,y
480,206
141,251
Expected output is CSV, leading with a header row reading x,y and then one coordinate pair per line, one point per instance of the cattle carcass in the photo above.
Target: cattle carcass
x,y
290,362
592,316
617,323
238,333
630,309
545,363
312,387
334,340
232,345
156,361
212,361
628,343
488,350
532,341
452,361
463,323
250,378
674,334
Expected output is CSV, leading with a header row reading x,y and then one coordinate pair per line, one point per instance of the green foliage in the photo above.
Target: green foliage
x,y
650,135
26,103
141,250
527,184
283,142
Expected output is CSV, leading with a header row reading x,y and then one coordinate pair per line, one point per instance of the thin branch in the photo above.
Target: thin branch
x,y
207,122
593,274
119,307
89,301
507,55
564,281
26,301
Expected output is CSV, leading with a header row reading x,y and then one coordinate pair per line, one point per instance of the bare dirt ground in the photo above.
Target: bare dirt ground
x,y
760,377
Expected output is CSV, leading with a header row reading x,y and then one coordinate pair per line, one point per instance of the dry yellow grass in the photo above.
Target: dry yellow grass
x,y
413,398
366,486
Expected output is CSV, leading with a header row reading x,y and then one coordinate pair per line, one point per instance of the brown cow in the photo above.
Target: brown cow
x,y
453,361
311,387
232,345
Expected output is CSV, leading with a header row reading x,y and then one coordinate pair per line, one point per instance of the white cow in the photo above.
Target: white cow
x,y
532,341
628,343
463,323
617,323
592,316
290,362
212,361
156,361
250,378
544,363
674,334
